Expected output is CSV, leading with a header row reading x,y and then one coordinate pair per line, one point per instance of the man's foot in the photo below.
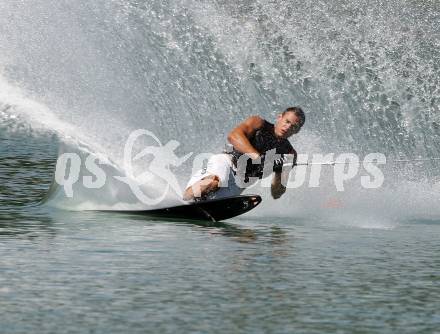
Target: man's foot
x,y
200,190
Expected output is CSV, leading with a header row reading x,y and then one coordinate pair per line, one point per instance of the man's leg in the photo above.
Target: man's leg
x,y
200,189
211,179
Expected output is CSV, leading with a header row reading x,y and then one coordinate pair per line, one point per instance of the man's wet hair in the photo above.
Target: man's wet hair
x,y
298,112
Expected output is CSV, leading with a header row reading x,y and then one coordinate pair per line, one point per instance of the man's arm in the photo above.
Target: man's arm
x,y
277,189
239,136
280,177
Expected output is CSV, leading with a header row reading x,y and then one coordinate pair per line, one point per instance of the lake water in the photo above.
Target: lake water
x,y
90,272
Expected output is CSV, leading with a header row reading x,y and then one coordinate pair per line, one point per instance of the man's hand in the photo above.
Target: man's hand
x,y
278,163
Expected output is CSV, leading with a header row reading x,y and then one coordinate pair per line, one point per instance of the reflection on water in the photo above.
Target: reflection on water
x,y
30,229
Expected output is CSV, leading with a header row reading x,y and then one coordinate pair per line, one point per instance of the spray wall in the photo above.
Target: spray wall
x,y
366,75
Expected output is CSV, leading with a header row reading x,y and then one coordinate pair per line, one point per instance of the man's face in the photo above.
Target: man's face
x,y
287,124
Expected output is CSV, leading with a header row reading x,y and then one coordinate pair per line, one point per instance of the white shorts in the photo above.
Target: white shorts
x,y
221,166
